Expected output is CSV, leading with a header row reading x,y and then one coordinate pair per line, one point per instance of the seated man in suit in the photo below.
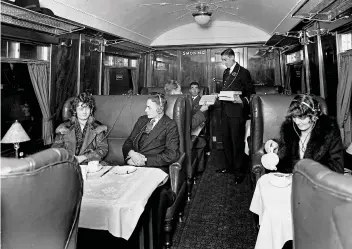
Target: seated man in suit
x,y
154,140
199,116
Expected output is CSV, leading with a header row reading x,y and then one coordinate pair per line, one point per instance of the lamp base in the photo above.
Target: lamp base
x,y
16,146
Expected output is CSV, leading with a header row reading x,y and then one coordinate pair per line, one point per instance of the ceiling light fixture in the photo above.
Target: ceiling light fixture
x,y
202,16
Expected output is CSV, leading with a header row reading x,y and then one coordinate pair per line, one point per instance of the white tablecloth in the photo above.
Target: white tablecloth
x,y
273,205
115,202
247,134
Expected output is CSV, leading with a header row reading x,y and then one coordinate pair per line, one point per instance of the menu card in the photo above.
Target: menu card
x,y
207,100
233,96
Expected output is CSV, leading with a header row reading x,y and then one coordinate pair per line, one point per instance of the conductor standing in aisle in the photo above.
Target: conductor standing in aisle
x,y
234,114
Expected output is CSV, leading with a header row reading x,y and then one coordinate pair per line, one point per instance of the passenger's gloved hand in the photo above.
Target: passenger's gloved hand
x,y
271,146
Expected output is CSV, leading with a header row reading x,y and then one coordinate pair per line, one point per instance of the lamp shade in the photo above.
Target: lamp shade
x,y
202,19
16,134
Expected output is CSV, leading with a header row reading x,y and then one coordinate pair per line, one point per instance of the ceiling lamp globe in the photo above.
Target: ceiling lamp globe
x,y
202,18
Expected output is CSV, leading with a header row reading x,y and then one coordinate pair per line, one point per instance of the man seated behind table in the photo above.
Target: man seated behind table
x,y
82,135
199,115
154,140
198,112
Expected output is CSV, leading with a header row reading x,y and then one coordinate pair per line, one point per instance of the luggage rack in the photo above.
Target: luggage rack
x,y
323,10
25,18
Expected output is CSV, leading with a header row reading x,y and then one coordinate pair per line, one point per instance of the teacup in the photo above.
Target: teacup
x,y
93,166
270,161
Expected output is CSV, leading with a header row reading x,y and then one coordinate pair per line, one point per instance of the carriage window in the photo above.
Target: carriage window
x,y
346,42
164,67
120,74
19,102
264,66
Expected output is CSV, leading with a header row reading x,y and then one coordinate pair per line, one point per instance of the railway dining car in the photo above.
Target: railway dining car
x,y
175,124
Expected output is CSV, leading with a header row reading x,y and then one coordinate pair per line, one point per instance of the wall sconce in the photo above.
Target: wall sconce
x,y
64,44
95,50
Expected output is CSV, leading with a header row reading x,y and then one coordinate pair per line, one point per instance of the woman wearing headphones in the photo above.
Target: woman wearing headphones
x,y
82,135
307,133
154,140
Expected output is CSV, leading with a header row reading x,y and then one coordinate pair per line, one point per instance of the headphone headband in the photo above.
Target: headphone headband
x,y
306,104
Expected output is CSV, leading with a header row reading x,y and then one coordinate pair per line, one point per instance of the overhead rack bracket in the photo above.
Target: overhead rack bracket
x,y
25,18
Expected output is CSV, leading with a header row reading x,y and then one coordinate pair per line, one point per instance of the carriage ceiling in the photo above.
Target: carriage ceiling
x,y
144,24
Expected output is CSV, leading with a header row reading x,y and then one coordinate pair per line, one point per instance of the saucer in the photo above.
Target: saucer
x,y
280,180
124,170
95,170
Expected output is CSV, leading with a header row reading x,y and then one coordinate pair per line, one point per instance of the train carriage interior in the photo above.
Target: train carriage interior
x,y
210,191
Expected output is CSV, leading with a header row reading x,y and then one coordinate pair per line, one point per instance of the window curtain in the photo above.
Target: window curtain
x,y
106,81
40,81
135,77
287,85
344,92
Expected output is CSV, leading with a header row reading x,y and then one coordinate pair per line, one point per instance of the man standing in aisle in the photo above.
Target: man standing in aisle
x,y
234,114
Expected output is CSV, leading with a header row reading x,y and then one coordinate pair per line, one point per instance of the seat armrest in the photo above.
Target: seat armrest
x,y
176,174
193,140
257,168
196,131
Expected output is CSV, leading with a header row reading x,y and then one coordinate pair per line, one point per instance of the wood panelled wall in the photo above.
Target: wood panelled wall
x,y
203,64
64,70
78,67
90,66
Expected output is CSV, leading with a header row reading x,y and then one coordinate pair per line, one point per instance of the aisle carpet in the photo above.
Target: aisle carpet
x,y
218,215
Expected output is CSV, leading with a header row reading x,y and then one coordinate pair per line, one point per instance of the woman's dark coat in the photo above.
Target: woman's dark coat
x,y
324,146
94,147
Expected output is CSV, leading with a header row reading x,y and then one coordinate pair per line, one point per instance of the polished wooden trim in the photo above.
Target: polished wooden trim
x,y
322,78
210,46
27,35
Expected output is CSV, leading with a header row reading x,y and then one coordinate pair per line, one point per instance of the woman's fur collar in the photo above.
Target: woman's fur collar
x,y
318,144
68,125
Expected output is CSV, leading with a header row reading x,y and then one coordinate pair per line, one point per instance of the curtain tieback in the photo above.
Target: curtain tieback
x,y
49,118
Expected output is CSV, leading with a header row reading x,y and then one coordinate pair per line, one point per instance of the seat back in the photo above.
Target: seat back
x,y
40,200
267,89
127,109
321,207
267,114
185,90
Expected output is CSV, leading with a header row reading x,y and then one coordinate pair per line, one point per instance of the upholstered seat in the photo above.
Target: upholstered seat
x,y
267,89
40,201
321,207
148,90
267,114
120,113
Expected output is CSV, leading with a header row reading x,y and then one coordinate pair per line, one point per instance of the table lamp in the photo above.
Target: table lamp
x,y
15,135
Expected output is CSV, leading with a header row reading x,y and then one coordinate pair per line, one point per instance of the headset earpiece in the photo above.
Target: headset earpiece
x,y
160,109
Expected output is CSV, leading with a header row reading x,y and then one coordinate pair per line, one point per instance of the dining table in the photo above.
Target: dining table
x,y
271,201
114,199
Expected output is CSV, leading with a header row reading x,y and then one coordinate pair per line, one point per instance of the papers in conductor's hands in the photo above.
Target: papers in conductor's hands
x,y
207,100
233,96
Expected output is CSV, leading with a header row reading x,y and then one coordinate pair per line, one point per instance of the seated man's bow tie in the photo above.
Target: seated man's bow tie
x,y
149,126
